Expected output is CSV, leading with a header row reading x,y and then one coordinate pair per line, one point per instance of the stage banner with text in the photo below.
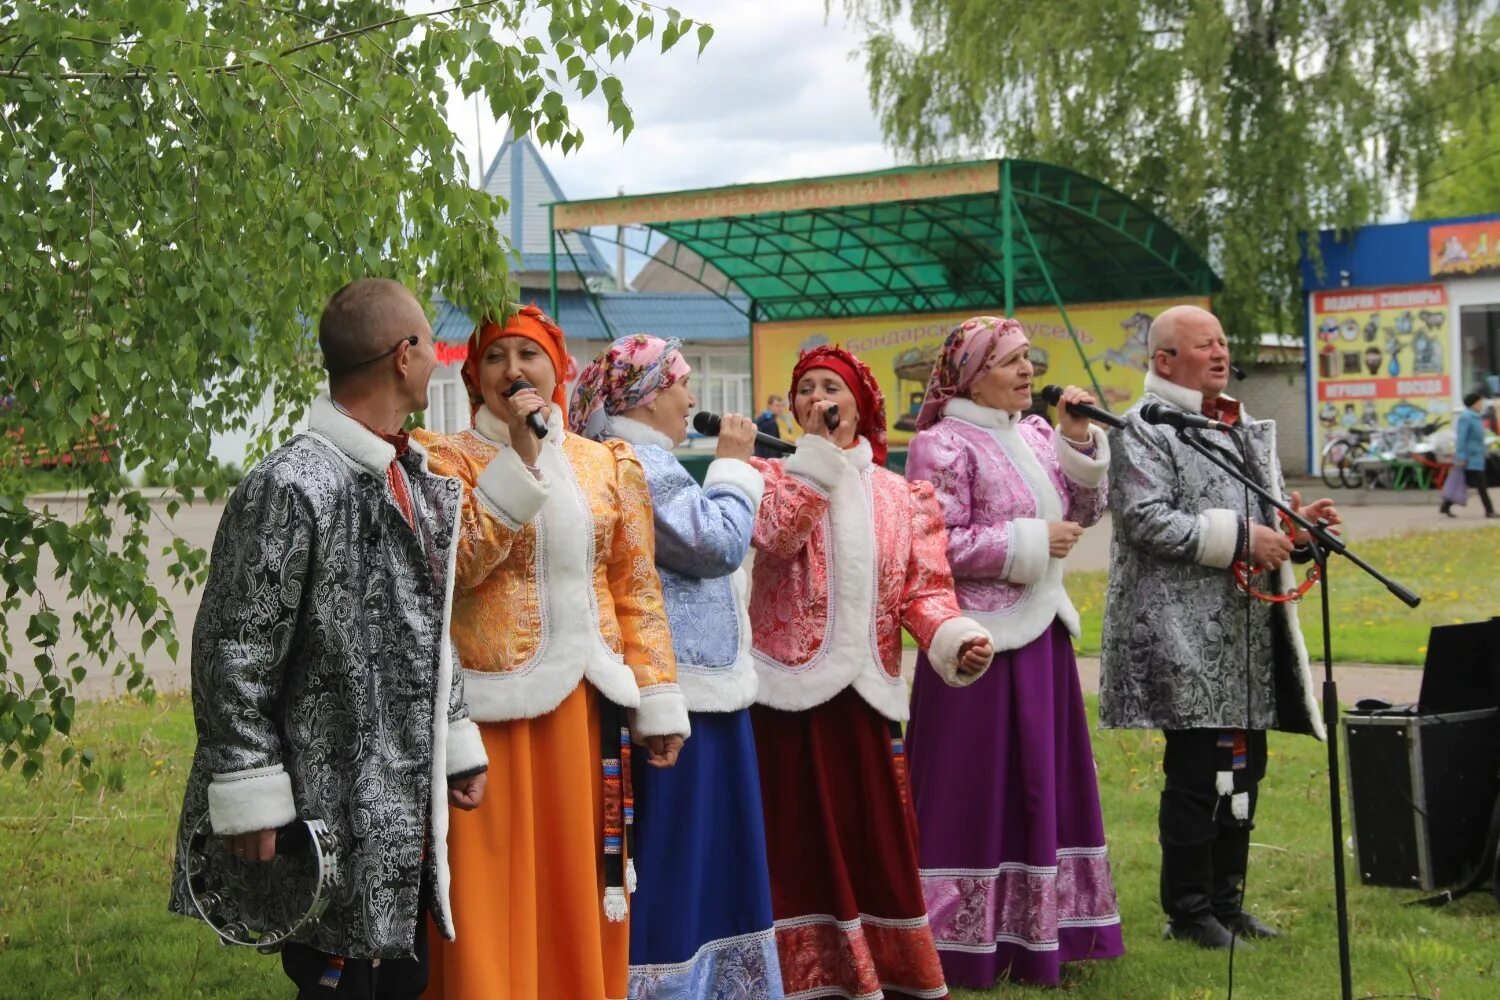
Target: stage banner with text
x,y
901,351
1379,359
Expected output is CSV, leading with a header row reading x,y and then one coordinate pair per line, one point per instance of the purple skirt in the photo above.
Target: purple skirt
x,y
1014,868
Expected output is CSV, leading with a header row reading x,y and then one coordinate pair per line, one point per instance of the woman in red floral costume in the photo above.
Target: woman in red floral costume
x,y
846,554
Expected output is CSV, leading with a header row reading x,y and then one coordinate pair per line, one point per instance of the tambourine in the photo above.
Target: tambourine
x,y
1243,572
260,904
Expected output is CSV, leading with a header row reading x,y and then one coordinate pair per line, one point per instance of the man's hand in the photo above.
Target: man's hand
x,y
736,437
1061,537
662,751
257,845
1269,548
1318,510
974,655
467,793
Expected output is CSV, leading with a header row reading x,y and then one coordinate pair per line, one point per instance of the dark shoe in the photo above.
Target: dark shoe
x,y
1446,511
1245,925
1205,932
1493,513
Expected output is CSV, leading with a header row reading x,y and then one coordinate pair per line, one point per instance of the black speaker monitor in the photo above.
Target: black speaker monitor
x,y
1462,670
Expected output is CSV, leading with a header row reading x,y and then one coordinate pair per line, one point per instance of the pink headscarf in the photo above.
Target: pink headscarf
x,y
971,350
630,372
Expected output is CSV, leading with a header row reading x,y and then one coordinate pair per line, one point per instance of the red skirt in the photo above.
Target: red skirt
x,y
841,842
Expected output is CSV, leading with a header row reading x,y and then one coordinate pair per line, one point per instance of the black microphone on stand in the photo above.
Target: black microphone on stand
x,y
1161,413
1239,373
707,424
1053,394
533,420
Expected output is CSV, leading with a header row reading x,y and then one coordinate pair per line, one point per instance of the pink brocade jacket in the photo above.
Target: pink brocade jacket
x,y
1000,479
846,554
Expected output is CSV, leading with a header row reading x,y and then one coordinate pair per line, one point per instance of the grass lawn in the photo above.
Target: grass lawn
x,y
1456,573
85,914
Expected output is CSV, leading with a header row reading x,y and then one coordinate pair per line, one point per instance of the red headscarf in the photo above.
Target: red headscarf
x,y
535,325
861,381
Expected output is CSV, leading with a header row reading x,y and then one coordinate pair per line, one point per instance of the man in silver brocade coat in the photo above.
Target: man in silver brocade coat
x,y
1184,650
324,685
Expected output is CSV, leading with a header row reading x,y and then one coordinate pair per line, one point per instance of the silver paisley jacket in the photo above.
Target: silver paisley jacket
x,y
702,537
323,680
1182,647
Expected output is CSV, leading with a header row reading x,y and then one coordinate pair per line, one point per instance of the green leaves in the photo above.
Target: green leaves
x,y
1243,123
183,186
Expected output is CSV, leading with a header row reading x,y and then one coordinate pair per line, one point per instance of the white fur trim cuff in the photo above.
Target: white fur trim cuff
x,y
257,799
740,475
817,459
514,494
946,643
465,748
663,712
1079,467
1218,536
1030,550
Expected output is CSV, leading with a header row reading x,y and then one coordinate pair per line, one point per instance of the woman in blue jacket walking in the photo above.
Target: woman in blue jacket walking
x,y
1469,453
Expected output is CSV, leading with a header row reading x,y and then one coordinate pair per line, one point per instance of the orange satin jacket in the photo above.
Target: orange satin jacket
x,y
556,580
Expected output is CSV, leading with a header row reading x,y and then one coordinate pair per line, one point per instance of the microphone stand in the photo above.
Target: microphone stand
x,y
1321,541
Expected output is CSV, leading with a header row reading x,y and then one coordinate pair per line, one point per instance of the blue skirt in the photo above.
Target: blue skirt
x,y
700,918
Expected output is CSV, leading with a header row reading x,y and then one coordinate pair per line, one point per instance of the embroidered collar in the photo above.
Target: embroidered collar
x,y
632,430
496,431
1187,399
400,440
350,436
979,415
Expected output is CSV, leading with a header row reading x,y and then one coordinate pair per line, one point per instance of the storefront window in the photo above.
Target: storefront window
x,y
1479,328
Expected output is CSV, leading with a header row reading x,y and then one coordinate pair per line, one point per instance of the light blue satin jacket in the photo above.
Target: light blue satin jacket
x,y
702,538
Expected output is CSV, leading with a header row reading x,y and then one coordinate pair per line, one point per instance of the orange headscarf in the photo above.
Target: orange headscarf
x,y
535,325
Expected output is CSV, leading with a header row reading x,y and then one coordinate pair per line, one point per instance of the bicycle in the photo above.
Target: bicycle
x,y
1339,459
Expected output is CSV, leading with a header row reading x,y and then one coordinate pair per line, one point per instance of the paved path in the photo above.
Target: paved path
x,y
196,524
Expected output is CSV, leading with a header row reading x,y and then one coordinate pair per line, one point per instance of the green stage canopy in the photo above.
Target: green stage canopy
x,y
916,239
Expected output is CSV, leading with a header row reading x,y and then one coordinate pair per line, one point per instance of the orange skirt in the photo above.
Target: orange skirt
x,y
528,879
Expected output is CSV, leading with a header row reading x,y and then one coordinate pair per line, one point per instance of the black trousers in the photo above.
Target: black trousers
x,y
1476,483
1191,809
1205,850
360,979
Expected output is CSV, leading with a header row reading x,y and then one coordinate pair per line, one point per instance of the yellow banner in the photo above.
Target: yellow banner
x,y
901,351
1380,359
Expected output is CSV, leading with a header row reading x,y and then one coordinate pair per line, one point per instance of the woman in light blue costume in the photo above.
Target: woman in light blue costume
x,y
700,921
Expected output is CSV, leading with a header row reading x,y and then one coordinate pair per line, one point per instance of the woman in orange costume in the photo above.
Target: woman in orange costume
x,y
559,624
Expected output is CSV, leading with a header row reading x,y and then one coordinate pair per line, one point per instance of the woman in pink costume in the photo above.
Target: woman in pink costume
x,y
1013,862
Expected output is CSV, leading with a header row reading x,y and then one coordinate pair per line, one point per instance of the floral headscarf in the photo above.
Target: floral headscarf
x,y
858,377
533,324
630,372
971,350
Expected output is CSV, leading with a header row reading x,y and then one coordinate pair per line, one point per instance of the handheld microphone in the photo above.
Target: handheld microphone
x,y
533,420
1239,373
1160,413
831,418
707,424
1053,394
